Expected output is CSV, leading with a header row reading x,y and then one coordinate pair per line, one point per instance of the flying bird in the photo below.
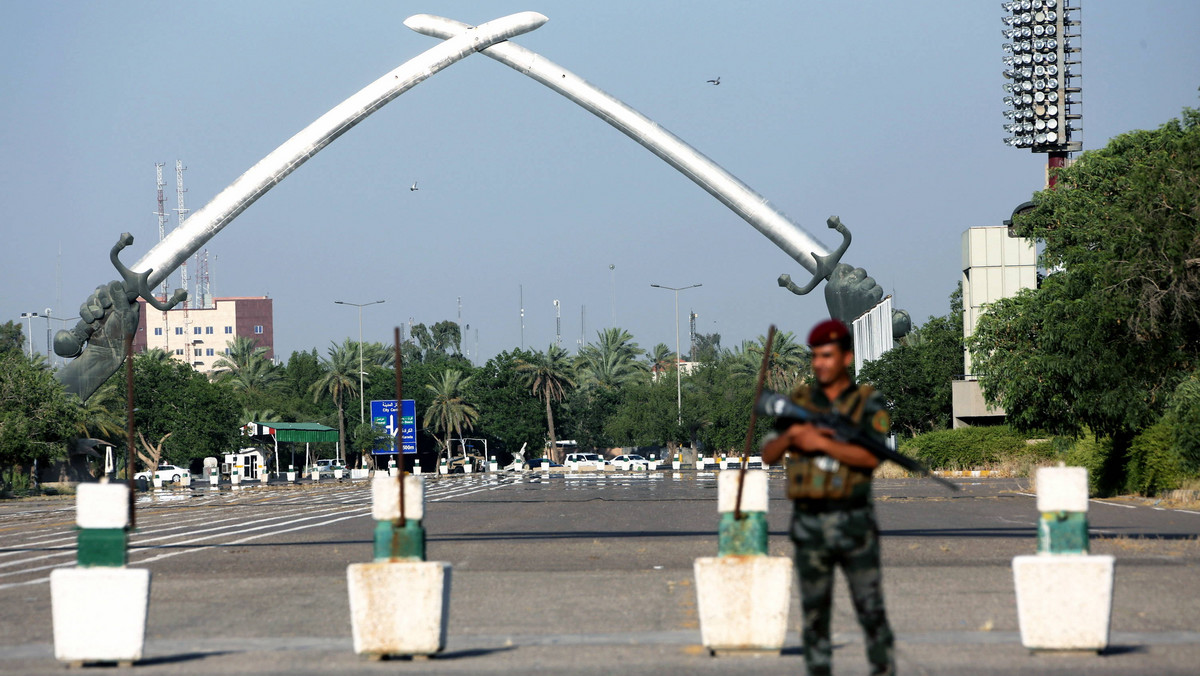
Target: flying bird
x,y
715,82
414,186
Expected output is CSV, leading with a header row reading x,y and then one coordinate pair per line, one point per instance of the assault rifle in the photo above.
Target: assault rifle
x,y
780,406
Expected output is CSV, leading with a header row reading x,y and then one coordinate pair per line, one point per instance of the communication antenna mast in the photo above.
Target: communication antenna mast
x,y
692,335
162,215
203,290
521,287
181,214
557,324
582,325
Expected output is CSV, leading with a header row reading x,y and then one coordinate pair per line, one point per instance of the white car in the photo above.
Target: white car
x,y
167,473
584,461
629,463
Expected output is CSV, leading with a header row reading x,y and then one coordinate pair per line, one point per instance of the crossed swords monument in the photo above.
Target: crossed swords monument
x,y
110,314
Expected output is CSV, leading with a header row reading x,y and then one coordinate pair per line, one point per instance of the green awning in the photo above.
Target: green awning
x,y
293,431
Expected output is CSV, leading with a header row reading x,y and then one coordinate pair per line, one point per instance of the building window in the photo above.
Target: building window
x,y
227,350
208,352
179,351
258,329
208,330
158,331
179,330
196,330
228,329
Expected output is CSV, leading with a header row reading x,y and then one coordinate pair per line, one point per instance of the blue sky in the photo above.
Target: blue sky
x,y
886,114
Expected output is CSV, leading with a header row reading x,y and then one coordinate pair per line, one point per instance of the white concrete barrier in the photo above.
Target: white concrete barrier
x,y
743,602
99,613
399,607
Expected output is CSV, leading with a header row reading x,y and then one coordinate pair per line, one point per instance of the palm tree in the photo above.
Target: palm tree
x,y
242,351
787,365
156,355
103,414
449,412
611,362
548,376
661,358
340,377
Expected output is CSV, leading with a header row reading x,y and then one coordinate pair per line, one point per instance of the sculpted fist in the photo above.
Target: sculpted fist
x,y
108,316
849,292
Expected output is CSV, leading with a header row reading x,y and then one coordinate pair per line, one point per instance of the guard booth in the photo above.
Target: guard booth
x,y
249,459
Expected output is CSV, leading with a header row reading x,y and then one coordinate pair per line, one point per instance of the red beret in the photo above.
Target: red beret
x,y
828,331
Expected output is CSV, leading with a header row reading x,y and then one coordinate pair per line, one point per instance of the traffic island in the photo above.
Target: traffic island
x,y
99,607
742,594
399,603
1064,595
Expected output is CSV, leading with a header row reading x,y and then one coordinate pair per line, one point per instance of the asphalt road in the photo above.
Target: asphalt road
x,y
587,574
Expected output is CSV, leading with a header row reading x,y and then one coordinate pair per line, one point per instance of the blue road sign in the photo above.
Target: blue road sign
x,y
384,415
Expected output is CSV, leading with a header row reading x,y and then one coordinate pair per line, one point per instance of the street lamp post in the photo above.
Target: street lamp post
x,y
678,379
362,405
29,329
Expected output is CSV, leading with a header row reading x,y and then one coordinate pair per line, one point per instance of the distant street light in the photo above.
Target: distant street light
x,y
678,380
362,405
29,329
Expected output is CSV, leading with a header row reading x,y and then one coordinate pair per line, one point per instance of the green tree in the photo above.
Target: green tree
x,y
611,362
37,418
247,370
338,380
548,375
708,347
508,416
172,398
916,376
449,412
11,337
1107,337
787,365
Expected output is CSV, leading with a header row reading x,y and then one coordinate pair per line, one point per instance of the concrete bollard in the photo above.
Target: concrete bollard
x,y
99,607
468,467
742,594
235,475
416,467
1064,595
337,473
493,465
156,480
399,603
263,477
214,478
392,471
316,475
677,462
291,474
443,468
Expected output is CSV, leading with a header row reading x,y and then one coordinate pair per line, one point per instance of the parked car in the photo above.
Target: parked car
x,y
584,461
325,467
164,472
538,463
627,463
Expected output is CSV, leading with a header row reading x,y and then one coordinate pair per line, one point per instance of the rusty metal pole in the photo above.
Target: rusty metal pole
x,y
129,448
758,388
400,426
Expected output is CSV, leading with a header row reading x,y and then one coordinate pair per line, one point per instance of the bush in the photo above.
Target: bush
x,y
1154,463
1091,454
969,447
1184,408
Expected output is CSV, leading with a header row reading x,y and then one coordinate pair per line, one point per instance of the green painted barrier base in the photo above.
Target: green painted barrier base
x,y
395,542
1063,533
102,547
747,537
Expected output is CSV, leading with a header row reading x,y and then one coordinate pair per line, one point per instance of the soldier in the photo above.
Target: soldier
x,y
829,482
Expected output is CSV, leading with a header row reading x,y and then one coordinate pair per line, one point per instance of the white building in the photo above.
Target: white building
x,y
199,336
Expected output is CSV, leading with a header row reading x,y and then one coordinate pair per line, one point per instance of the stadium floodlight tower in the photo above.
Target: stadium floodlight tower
x,y
1042,60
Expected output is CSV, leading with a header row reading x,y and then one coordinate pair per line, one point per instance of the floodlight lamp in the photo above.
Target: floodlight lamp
x,y
1007,47
1052,124
1052,110
1039,139
1027,59
1039,31
1027,126
1009,33
1038,97
1027,99
1050,30
1051,17
1026,5
1052,70
1039,45
1039,71
1025,46
1051,137
1050,57
1053,83
1052,44
1007,20
1040,125
1052,97
1026,32
1038,57
1026,73
1051,3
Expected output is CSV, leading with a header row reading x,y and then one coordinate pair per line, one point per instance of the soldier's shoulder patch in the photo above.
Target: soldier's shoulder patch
x,y
881,422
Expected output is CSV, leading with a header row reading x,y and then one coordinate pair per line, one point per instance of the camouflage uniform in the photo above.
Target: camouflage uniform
x,y
834,525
